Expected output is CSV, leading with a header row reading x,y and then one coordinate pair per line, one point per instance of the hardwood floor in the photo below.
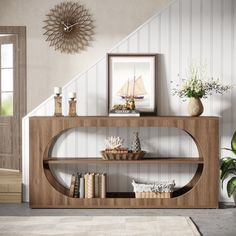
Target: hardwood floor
x,y
217,222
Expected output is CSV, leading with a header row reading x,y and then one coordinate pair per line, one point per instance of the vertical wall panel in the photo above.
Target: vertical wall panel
x,y
132,169
195,28
143,43
174,55
145,142
186,39
92,91
164,92
113,184
206,46
154,35
102,87
133,43
217,47
123,183
82,95
226,70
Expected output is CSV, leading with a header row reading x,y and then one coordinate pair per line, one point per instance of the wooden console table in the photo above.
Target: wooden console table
x,y
200,192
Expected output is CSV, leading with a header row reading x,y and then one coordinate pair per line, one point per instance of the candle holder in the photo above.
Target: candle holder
x,y
58,105
72,107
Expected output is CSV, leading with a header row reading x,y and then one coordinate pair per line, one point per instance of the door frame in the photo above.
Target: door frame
x,y
20,31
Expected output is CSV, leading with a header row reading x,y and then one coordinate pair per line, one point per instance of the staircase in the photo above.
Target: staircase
x,y
10,186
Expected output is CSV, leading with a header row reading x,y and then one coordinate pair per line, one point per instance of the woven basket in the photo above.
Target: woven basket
x,y
153,195
122,156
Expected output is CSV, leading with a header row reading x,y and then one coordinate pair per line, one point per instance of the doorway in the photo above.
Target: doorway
x,y
12,94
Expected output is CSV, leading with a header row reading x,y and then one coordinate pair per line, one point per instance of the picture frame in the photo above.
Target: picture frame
x,y
132,75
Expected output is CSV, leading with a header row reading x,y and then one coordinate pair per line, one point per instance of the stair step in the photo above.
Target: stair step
x,y
10,186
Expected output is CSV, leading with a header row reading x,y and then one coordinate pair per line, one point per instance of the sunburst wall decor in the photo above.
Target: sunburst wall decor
x,y
69,27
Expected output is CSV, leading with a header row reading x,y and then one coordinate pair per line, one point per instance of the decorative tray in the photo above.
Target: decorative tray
x,y
122,156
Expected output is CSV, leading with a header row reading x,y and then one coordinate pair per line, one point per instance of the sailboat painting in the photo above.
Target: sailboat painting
x,y
132,76
133,88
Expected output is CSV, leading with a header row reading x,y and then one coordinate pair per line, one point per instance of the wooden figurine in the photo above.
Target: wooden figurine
x,y
72,104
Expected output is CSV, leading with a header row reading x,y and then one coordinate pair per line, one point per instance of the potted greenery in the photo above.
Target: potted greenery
x,y
228,167
197,86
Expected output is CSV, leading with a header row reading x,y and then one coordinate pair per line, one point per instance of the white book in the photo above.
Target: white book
x,y
96,186
91,185
103,186
86,185
81,187
124,113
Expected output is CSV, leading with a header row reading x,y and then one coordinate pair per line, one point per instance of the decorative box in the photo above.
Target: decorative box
x,y
161,189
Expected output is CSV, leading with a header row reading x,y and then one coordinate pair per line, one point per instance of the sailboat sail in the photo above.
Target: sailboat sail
x,y
134,88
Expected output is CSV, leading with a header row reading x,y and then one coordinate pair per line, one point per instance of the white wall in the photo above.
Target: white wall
x,y
186,30
46,68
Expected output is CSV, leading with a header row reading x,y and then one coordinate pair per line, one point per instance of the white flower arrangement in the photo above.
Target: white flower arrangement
x,y
196,86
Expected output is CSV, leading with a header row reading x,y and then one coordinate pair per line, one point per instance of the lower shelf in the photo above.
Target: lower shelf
x,y
115,195
120,195
125,201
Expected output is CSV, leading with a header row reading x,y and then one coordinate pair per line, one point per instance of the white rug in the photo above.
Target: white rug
x,y
98,226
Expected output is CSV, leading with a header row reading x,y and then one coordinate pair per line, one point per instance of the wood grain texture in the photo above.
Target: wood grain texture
x,y
46,192
167,160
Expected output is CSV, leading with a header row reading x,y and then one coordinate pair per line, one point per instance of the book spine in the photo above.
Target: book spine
x,y
99,185
72,186
86,185
96,186
103,186
76,190
91,185
81,187
78,187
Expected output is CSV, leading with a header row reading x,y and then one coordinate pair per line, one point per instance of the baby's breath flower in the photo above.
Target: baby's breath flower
x,y
196,86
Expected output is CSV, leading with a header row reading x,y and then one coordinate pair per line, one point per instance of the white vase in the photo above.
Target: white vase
x,y
195,107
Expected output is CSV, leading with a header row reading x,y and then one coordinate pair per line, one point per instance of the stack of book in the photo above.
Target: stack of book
x,y
89,185
116,112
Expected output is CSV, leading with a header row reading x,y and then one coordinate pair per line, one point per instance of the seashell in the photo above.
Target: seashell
x,y
114,142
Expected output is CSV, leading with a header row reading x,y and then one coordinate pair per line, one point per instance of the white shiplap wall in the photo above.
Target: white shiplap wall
x,y
183,32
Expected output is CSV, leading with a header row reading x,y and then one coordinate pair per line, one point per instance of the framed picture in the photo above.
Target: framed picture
x,y
132,76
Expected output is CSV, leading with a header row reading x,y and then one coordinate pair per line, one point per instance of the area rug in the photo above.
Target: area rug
x,y
98,226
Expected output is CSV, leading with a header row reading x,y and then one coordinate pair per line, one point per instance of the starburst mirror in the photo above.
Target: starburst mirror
x,y
69,27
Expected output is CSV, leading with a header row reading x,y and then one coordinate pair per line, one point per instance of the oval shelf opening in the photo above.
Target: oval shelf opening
x,y
159,142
